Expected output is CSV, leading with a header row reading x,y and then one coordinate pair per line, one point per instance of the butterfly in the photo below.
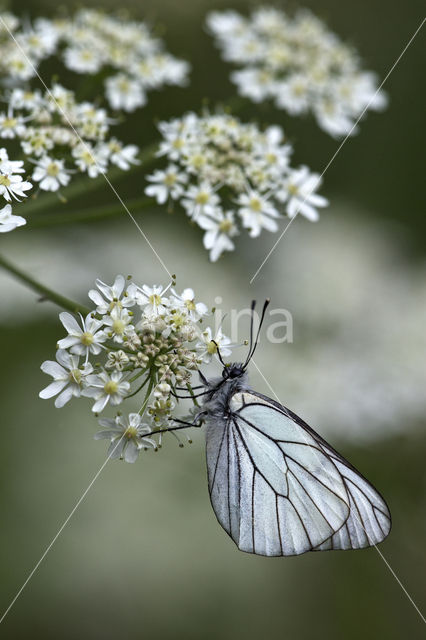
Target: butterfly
x,y
276,486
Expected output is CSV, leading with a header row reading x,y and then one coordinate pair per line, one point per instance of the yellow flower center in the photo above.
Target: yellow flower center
x,y
10,123
255,204
123,85
178,143
130,433
86,338
118,326
190,305
4,181
211,348
293,189
202,198
87,157
52,169
225,226
75,375
170,179
155,299
110,387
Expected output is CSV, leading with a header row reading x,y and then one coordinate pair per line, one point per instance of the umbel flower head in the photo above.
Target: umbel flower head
x,y
229,175
298,63
130,60
133,349
61,137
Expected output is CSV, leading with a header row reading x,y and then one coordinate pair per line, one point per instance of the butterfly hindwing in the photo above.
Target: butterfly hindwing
x,y
278,488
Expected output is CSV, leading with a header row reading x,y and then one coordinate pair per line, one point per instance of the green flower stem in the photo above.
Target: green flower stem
x,y
191,391
45,292
90,214
152,381
85,185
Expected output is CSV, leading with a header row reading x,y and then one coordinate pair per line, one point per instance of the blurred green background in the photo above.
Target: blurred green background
x,y
143,556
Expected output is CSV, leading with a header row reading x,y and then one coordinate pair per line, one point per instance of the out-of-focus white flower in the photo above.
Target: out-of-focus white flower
x,y
300,195
82,59
124,93
8,222
11,126
219,229
257,213
128,435
51,174
299,64
68,377
11,183
166,184
223,172
92,161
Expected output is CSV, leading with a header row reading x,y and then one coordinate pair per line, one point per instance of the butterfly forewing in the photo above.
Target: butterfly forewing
x,y
277,488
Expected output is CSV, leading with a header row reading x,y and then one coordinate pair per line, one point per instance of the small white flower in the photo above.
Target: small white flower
x,y
257,213
51,174
82,59
112,297
68,377
166,184
118,325
12,126
152,299
11,184
208,345
128,435
300,194
91,160
85,339
117,360
219,229
122,157
8,222
106,388
125,93
186,300
200,199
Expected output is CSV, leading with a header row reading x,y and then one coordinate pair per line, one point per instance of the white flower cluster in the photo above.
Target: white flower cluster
x,y
12,185
137,342
131,59
54,129
223,171
299,64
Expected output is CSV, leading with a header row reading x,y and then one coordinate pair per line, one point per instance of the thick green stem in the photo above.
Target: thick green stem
x,y
90,214
45,292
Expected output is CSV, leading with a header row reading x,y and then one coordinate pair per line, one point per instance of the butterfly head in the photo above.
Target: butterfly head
x,y
232,371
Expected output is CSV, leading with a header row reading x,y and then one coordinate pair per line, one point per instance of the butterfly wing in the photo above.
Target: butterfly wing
x,y
278,488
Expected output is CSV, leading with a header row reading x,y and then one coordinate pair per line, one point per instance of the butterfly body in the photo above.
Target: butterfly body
x,y
276,486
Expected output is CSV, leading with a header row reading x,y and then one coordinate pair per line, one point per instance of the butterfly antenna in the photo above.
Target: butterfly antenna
x,y
253,346
219,355
252,306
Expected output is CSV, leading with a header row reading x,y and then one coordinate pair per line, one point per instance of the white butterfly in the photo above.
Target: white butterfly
x,y
276,487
